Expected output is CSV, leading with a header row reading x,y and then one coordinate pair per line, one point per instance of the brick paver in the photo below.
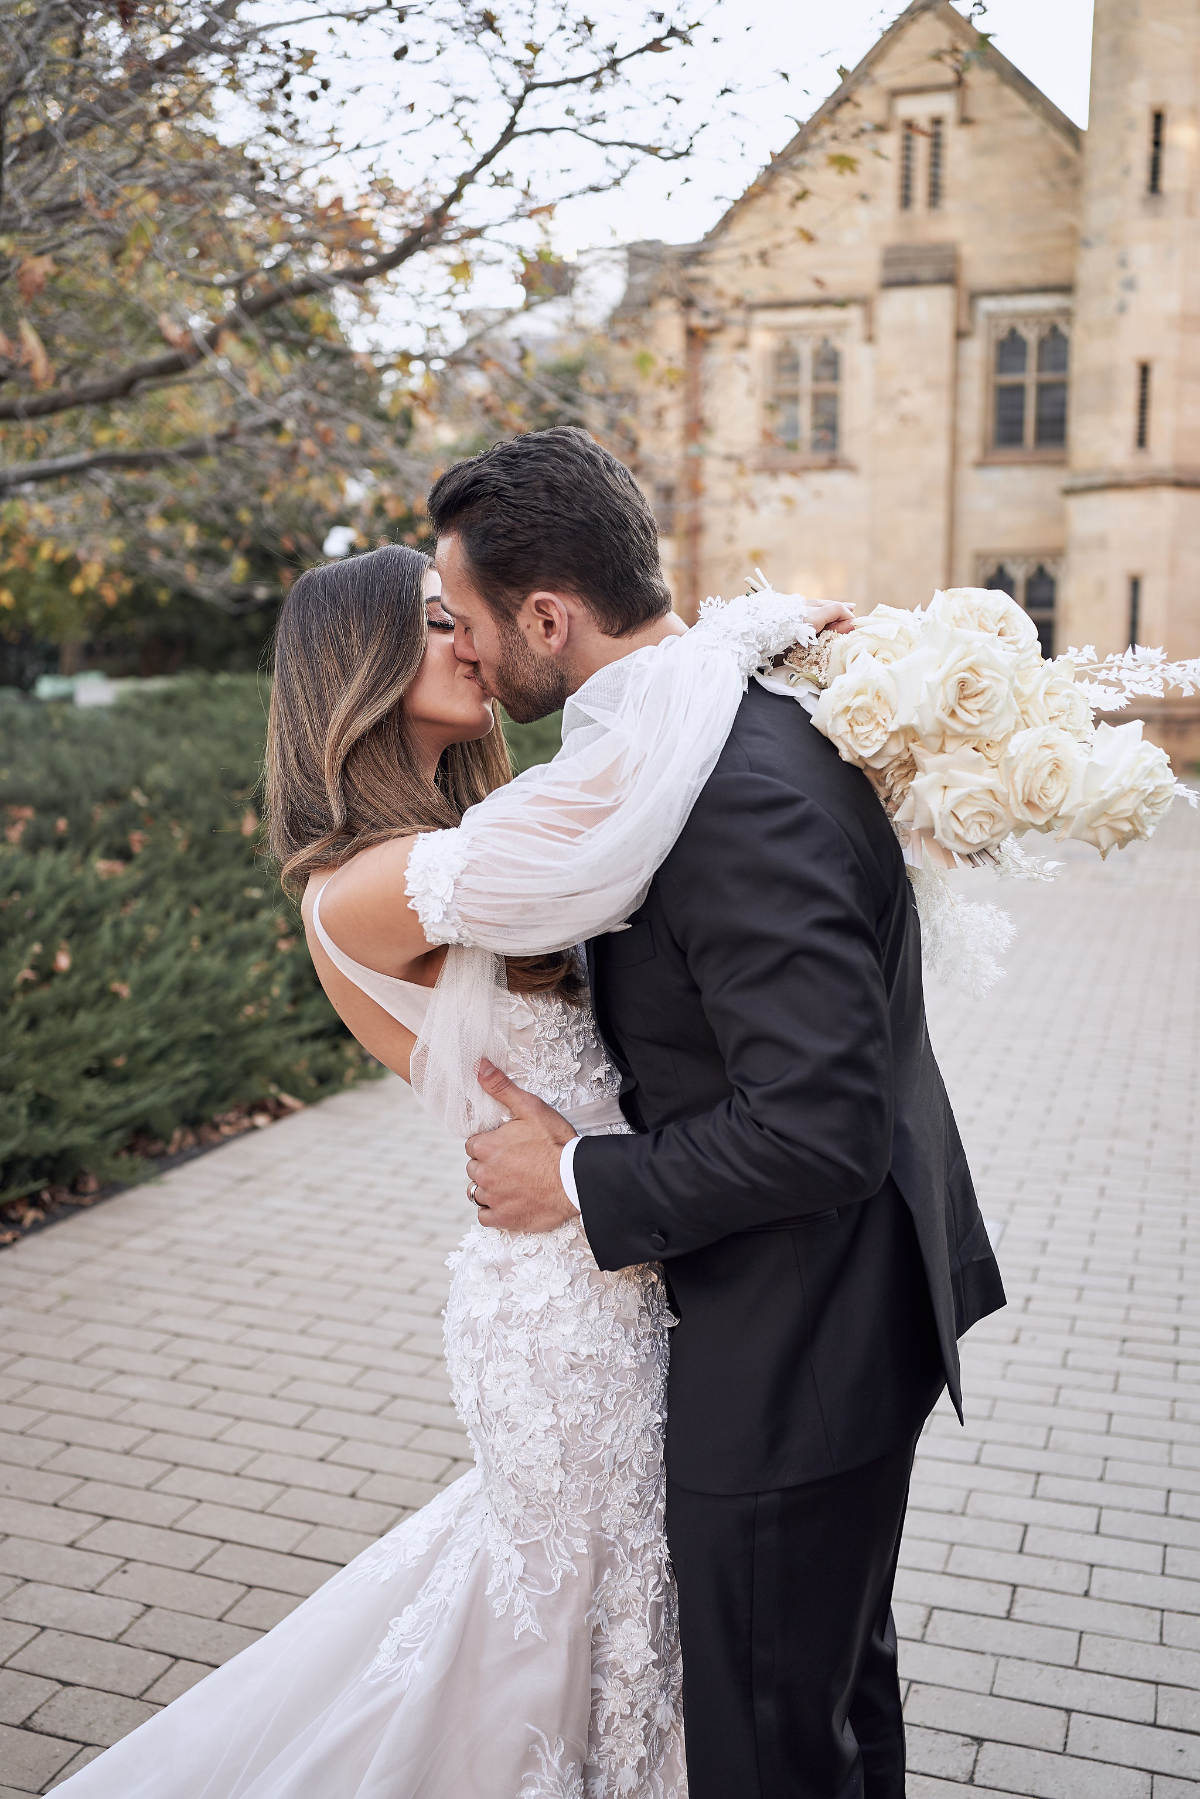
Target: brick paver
x,y
217,1388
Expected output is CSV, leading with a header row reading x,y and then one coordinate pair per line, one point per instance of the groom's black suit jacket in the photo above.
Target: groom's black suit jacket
x,y
796,1168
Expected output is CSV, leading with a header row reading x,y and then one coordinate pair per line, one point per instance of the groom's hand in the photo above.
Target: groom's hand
x,y
513,1171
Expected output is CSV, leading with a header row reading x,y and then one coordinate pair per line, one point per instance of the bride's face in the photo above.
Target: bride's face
x,y
445,698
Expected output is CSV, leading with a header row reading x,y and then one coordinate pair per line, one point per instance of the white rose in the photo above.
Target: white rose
x,y
1067,706
887,633
960,688
857,713
1127,787
1031,692
1042,773
960,799
892,780
985,609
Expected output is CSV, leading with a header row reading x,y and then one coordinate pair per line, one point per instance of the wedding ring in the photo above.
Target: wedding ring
x,y
472,1190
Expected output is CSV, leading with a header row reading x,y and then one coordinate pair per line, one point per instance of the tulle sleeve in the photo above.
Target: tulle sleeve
x,y
567,850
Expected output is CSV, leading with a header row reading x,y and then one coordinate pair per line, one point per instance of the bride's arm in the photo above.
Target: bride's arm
x,y
359,911
567,850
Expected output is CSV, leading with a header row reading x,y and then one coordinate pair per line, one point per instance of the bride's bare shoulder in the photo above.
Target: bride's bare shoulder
x,y
365,910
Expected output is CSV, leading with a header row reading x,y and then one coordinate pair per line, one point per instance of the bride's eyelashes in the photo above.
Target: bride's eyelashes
x,y
440,624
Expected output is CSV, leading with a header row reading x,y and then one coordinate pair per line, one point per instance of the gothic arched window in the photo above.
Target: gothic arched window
x,y
1041,591
826,378
1012,356
1029,386
803,410
1050,414
1032,581
785,394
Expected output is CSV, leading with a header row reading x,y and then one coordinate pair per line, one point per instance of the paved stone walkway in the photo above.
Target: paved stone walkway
x,y
216,1389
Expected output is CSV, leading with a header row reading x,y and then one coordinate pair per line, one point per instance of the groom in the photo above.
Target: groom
x,y
795,1165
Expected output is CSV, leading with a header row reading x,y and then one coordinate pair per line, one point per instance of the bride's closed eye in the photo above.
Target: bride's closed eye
x,y
437,619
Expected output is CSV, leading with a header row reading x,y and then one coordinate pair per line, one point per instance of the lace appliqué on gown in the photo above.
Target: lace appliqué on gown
x,y
559,1374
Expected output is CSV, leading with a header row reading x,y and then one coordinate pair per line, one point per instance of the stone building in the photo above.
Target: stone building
x,y
948,338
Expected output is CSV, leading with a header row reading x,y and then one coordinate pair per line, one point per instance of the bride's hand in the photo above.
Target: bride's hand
x,y
831,615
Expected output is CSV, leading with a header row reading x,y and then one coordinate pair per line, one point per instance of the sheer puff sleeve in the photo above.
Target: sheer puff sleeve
x,y
567,850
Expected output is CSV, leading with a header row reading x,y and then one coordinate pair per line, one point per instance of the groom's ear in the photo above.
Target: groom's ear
x,y
547,619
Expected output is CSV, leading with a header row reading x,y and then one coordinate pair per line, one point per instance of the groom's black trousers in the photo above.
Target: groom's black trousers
x,y
790,1689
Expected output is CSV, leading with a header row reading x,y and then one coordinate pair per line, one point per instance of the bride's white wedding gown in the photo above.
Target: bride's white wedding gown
x,y
515,1639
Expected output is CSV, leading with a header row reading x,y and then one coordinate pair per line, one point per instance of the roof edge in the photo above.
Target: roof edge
x,y
1007,71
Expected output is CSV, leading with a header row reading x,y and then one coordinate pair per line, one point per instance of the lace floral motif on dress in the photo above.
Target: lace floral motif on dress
x,y
556,1776
755,627
558,1372
559,1375
558,1058
434,865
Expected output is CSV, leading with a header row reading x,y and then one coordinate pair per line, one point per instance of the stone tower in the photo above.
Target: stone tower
x,y
1133,485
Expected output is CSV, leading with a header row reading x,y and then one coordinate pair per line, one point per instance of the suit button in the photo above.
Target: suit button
x,y
657,1240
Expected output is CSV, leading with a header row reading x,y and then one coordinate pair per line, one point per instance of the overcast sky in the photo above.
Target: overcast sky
x,y
1049,40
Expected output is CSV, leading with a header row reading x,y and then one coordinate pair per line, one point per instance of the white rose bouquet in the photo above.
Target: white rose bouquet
x,y
971,738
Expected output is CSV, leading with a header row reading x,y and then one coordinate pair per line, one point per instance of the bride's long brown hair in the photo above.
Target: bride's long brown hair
x,y
340,771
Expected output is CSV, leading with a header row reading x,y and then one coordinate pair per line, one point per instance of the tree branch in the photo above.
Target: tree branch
x,y
254,306
26,474
251,307
106,107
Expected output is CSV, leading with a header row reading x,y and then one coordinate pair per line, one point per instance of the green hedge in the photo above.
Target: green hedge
x,y
157,976
156,972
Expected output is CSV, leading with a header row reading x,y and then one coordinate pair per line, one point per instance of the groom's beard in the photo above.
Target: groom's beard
x,y
527,686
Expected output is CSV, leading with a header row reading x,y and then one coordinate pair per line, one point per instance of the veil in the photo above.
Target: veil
x,y
568,850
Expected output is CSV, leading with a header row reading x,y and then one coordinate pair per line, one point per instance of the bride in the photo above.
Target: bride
x,y
517,1638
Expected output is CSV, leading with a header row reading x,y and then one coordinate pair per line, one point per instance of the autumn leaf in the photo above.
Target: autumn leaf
x,y
249,822
175,335
32,274
33,355
62,959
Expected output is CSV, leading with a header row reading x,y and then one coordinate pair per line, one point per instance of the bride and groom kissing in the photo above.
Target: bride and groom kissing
x,y
724,1237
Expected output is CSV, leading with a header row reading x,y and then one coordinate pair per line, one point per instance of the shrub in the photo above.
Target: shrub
x,y
529,744
157,974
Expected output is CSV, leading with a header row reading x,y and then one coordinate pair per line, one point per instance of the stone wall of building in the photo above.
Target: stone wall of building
x,y
914,299
1133,494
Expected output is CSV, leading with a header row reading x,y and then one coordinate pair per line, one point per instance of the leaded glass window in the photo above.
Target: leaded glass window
x,y
803,411
1032,581
1029,387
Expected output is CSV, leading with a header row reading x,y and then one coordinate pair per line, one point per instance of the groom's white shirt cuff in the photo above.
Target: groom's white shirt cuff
x,y
808,695
566,1171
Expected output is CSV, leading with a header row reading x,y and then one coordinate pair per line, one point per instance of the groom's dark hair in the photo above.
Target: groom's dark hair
x,y
554,509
